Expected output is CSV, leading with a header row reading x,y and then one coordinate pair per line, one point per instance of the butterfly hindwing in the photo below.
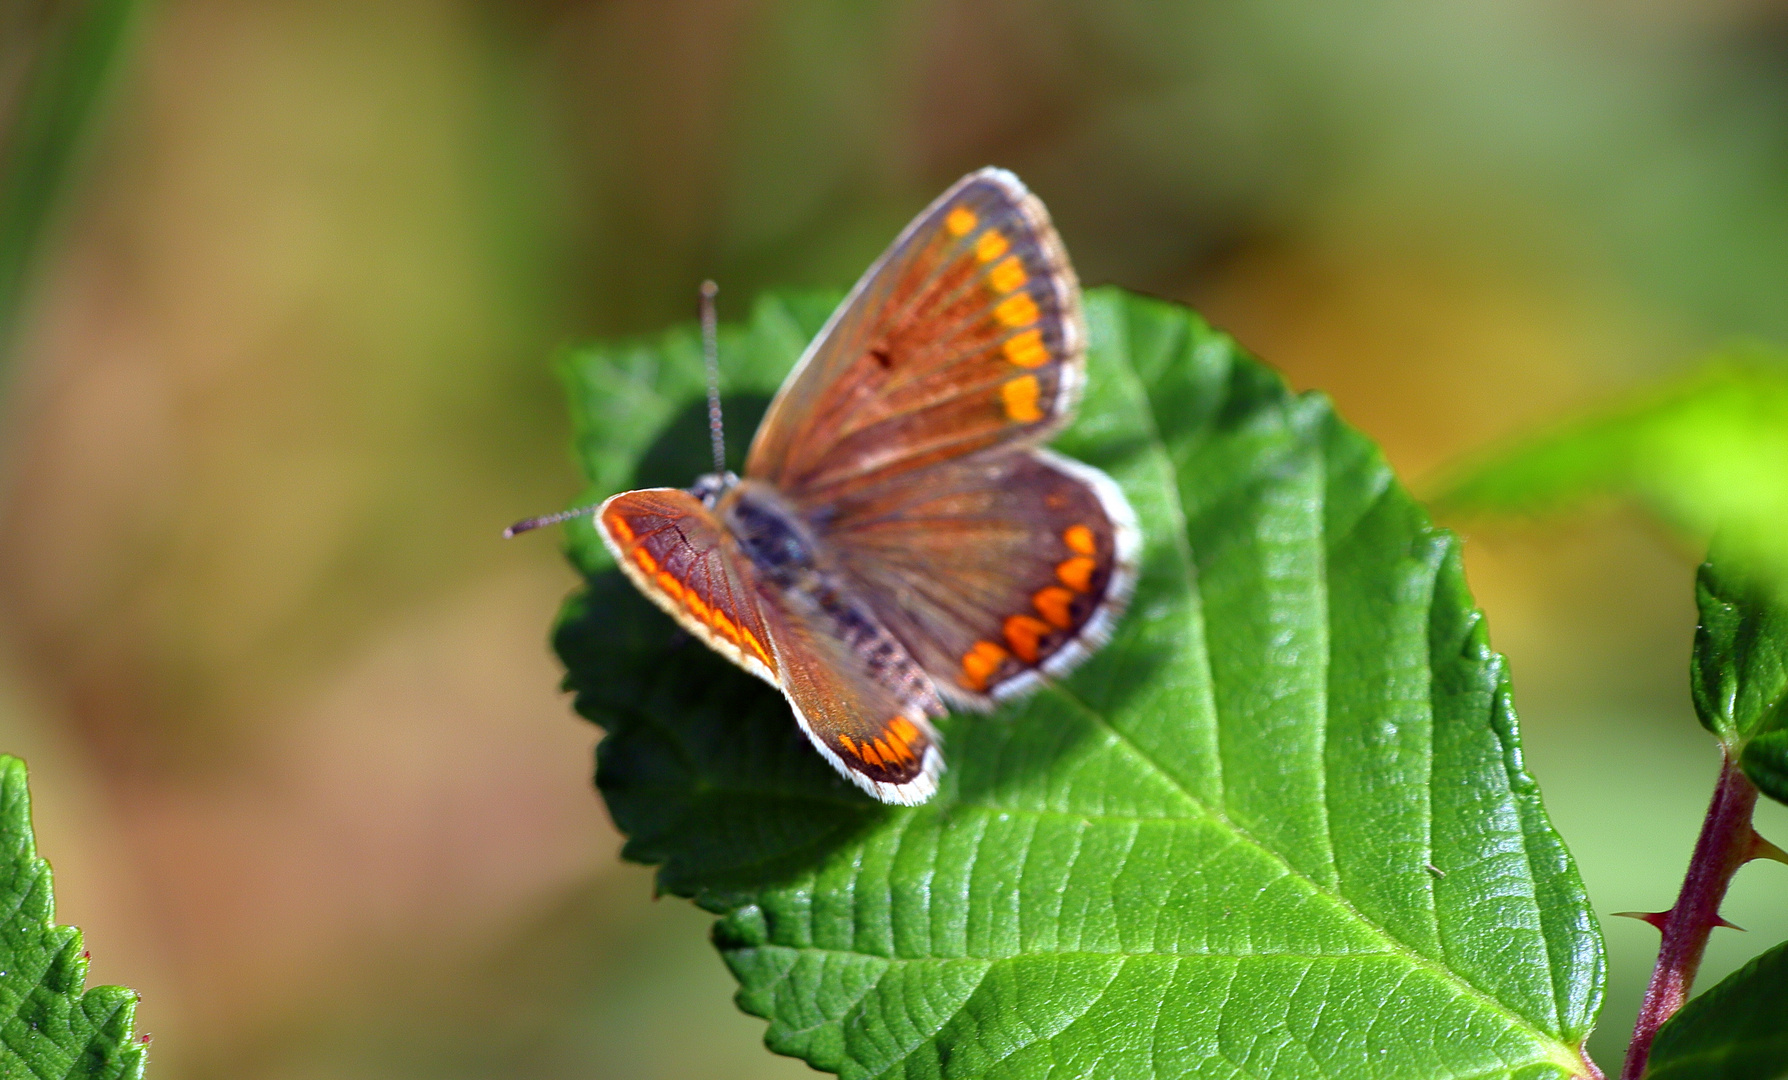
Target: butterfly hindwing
x,y
878,735
996,570
967,334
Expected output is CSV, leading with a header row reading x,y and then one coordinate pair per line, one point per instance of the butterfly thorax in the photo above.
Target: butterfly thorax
x,y
770,532
787,553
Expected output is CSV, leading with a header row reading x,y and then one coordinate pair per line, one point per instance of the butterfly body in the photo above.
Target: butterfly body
x,y
900,539
793,562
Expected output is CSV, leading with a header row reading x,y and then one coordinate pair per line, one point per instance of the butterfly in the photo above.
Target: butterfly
x,y
900,539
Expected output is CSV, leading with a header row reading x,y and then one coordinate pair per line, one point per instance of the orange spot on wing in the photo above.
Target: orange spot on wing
x,y
1077,573
991,246
1080,540
868,752
725,627
961,221
1026,349
694,603
1056,606
1017,310
980,662
618,525
672,587
1020,398
1023,632
1008,275
645,560
899,734
756,646
892,753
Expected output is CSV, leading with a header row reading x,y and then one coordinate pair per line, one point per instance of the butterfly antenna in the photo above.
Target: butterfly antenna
x,y
711,354
527,524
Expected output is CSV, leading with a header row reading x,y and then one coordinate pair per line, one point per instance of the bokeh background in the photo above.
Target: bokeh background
x,y
280,369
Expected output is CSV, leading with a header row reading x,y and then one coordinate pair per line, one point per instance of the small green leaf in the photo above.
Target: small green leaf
x,y
1736,1031
1279,827
1707,453
1739,672
48,1026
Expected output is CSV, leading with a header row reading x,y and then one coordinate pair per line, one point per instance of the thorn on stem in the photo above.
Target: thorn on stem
x,y
1655,918
1763,849
1721,921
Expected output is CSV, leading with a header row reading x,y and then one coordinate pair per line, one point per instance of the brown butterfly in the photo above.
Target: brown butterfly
x,y
899,539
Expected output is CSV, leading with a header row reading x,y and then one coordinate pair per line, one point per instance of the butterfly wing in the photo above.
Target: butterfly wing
x,y
967,334
677,553
996,570
880,738
874,730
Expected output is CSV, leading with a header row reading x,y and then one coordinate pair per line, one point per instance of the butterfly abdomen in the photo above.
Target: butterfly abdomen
x,y
780,546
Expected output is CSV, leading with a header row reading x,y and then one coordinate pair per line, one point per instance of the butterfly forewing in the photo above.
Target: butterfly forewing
x,y
679,555
966,335
995,570
864,703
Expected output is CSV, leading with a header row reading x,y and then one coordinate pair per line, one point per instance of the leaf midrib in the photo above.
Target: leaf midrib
x,y
1397,947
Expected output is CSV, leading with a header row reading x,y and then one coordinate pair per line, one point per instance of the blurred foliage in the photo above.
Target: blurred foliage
x,y
53,1025
1707,452
1168,843
78,45
1736,1031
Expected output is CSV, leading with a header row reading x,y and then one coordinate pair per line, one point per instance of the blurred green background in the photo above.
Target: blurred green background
x,y
281,371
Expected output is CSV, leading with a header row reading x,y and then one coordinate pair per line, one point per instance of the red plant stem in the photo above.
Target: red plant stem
x,y
1726,843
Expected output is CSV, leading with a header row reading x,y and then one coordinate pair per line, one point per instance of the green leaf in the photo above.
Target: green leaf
x,y
1707,453
1739,672
1736,1031
48,1026
1279,827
